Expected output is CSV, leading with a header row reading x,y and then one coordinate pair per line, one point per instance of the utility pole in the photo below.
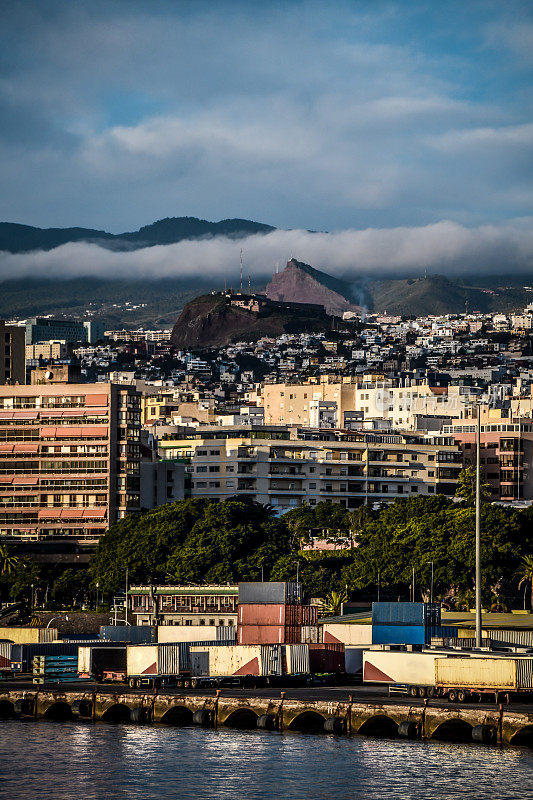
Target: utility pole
x,y
241,271
379,584
413,585
478,528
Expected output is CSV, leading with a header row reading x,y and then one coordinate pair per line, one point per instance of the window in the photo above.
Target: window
x,y
202,622
214,484
221,622
201,484
211,621
230,484
312,485
431,473
214,469
214,452
201,452
414,488
201,469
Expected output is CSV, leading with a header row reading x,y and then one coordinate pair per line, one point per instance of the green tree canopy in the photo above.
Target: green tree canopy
x,y
192,541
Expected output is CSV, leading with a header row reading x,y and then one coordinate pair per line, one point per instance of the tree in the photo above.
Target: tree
x,y
525,573
332,604
8,562
466,486
192,541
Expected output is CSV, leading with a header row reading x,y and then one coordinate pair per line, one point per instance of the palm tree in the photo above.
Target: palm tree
x,y
525,573
8,563
333,603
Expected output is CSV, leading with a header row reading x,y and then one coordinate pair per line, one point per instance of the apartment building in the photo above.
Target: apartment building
x,y
69,460
12,354
286,467
213,606
506,452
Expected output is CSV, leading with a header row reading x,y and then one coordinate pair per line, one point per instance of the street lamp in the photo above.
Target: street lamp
x,y
432,575
97,587
53,618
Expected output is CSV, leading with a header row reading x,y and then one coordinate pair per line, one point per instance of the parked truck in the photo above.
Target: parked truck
x,y
441,674
102,663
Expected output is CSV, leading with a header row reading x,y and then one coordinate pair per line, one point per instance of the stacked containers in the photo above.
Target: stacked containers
x,y
134,634
405,623
5,656
238,660
272,613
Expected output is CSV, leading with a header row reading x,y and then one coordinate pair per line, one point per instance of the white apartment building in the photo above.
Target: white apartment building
x,y
286,467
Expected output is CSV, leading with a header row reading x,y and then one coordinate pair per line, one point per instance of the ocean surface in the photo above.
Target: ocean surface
x,y
59,760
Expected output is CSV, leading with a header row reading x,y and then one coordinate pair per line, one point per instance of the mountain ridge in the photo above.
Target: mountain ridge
x,y
19,238
301,283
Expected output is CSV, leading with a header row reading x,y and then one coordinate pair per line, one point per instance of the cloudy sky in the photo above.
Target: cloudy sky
x,y
311,115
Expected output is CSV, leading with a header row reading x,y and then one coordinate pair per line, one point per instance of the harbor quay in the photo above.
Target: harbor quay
x,y
500,724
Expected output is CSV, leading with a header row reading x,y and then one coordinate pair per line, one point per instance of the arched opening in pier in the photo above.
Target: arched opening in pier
x,y
308,722
117,713
58,711
523,737
177,715
453,730
243,718
7,709
380,727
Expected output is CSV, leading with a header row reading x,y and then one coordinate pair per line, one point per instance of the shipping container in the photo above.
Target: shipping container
x,y
269,634
236,660
98,662
21,635
327,658
296,659
353,657
399,666
134,634
399,634
22,654
5,656
277,614
347,633
154,660
277,592
513,638
312,634
427,614
487,673
195,633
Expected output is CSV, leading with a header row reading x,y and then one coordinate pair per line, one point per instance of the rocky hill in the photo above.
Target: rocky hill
x,y
15,238
215,320
300,283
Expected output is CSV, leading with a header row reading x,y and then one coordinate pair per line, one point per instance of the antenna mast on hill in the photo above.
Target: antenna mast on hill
x,y
241,270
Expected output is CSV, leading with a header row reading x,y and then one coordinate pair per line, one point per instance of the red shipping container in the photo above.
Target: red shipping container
x,y
269,634
327,658
277,614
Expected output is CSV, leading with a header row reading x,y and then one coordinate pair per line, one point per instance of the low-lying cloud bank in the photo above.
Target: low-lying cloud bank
x,y
444,247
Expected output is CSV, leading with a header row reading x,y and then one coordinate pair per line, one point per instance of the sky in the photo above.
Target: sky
x,y
373,117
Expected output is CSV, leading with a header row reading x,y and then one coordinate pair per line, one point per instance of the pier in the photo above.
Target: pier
x,y
498,724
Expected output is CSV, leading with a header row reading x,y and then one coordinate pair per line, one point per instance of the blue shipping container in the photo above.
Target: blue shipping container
x,y
406,614
399,634
133,634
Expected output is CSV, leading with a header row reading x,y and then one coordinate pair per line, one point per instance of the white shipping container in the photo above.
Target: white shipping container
x,y
498,673
153,659
238,659
186,633
297,659
5,656
397,666
347,633
21,635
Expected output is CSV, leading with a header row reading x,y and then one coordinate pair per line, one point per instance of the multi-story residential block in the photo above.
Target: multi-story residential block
x,y
161,482
184,605
47,350
285,467
69,460
506,452
12,354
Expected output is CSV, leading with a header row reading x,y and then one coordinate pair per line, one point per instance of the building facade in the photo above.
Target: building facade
x,y
69,460
184,605
285,467
12,354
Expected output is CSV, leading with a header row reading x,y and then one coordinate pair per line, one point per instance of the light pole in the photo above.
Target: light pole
x,y
53,618
379,584
413,587
432,574
97,587
478,528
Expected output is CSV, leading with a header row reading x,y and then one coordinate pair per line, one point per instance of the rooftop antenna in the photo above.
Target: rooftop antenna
x,y
241,269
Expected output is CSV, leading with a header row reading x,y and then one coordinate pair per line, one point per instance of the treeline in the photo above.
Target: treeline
x,y
200,541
